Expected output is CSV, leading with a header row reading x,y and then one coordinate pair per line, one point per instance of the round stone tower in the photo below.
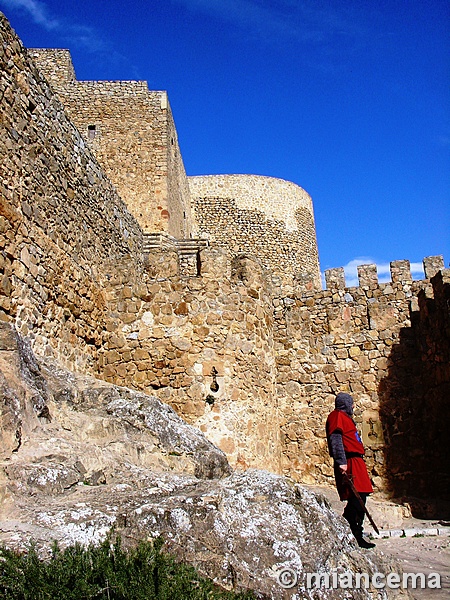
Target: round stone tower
x,y
269,218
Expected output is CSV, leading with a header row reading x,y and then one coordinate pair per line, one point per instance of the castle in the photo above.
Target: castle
x,y
205,291
132,133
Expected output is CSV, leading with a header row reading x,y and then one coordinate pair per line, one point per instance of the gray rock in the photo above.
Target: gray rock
x,y
139,413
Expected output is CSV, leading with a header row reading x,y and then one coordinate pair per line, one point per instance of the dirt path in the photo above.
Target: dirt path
x,y
422,555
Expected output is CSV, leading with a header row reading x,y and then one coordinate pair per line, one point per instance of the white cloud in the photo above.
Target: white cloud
x,y
307,21
37,10
417,270
72,34
383,270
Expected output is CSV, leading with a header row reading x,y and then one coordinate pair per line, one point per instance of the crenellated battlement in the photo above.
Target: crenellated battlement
x,y
368,275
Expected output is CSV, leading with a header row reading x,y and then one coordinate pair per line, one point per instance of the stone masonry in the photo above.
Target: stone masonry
x,y
353,339
202,344
61,218
132,134
240,342
269,217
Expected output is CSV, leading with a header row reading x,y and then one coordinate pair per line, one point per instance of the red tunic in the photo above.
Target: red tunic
x,y
356,467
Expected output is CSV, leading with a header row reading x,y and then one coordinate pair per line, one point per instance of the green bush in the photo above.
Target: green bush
x,y
105,572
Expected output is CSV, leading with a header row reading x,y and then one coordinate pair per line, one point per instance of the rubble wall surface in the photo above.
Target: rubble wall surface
x,y
202,344
270,218
131,131
60,217
363,340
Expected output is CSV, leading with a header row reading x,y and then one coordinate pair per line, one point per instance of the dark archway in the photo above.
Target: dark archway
x,y
415,407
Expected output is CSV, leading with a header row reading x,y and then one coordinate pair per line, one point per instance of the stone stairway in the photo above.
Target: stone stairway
x,y
188,250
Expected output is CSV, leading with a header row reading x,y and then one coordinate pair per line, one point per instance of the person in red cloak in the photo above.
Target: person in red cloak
x,y
347,450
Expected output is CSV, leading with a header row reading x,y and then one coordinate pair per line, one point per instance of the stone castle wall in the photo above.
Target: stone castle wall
x,y
251,358
177,337
132,134
270,218
73,281
60,217
413,398
343,339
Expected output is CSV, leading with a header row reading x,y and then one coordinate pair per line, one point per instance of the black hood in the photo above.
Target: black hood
x,y
344,402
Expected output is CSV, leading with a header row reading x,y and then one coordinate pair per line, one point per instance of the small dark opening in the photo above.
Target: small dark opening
x,y
31,106
91,131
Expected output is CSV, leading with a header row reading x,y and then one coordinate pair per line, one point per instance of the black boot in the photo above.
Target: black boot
x,y
362,543
355,518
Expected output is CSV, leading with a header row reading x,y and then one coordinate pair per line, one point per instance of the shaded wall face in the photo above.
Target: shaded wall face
x,y
415,407
178,193
132,133
60,217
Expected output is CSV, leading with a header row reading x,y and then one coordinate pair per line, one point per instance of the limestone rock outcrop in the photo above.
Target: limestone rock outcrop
x,y
81,456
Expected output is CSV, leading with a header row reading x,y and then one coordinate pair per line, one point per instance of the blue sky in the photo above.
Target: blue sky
x,y
348,99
